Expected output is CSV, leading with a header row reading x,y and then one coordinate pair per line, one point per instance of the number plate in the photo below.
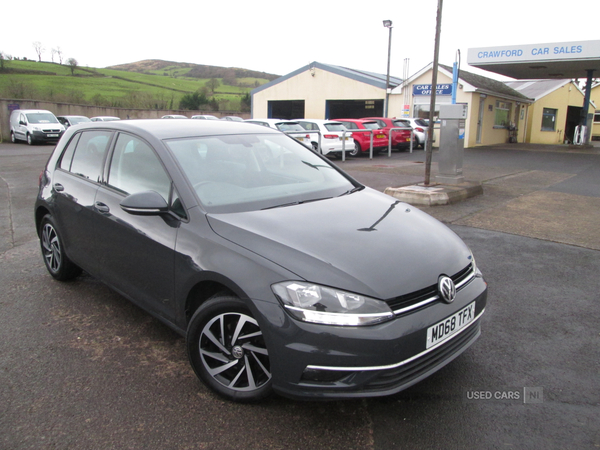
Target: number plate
x,y
53,135
448,327
380,136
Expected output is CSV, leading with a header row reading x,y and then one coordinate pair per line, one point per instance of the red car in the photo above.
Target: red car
x,y
400,138
362,141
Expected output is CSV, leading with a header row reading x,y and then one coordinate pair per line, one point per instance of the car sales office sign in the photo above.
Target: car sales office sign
x,y
425,89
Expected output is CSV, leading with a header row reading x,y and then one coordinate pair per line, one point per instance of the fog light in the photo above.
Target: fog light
x,y
322,376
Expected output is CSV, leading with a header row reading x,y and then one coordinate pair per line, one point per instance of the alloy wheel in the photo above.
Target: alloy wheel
x,y
51,248
233,352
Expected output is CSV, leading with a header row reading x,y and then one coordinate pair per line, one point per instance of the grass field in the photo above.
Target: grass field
x,y
159,89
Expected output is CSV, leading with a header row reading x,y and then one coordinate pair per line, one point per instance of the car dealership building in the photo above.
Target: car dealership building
x,y
545,108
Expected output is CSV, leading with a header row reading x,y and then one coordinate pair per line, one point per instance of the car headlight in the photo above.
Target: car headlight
x,y
319,304
36,128
476,270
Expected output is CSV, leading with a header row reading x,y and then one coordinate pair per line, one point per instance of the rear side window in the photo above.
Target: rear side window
x,y
350,125
85,153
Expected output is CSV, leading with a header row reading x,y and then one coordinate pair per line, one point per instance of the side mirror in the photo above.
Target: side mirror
x,y
146,203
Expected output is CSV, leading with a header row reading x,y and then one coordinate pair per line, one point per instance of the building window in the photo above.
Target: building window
x,y
502,114
597,117
549,119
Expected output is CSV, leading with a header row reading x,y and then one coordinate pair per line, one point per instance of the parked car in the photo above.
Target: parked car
x,y
68,121
420,128
362,141
35,125
204,117
174,116
400,138
104,118
333,139
283,272
232,118
287,126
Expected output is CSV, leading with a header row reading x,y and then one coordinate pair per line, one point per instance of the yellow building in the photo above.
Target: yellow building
x,y
322,91
595,97
556,110
496,112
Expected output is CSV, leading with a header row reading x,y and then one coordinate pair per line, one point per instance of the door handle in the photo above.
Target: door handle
x,y
101,207
58,187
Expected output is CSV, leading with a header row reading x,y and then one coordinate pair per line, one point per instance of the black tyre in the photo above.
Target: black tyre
x,y
30,140
356,150
57,263
13,139
227,350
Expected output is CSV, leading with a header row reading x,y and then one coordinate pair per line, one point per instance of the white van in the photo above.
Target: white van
x,y
35,125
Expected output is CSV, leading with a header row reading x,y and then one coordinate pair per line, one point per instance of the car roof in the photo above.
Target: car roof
x,y
322,121
169,129
354,120
271,120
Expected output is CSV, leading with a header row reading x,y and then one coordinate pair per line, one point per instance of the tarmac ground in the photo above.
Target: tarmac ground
x,y
82,368
549,192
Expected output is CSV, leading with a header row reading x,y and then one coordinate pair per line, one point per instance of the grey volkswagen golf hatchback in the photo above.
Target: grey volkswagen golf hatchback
x,y
283,273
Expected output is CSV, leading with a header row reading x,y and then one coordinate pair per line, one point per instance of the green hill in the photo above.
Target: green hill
x,y
150,84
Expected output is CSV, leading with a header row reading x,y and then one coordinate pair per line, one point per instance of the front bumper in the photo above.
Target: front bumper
x,y
46,136
312,361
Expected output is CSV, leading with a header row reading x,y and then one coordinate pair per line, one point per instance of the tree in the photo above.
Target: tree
x,y
59,53
72,62
193,101
2,58
213,84
246,102
37,45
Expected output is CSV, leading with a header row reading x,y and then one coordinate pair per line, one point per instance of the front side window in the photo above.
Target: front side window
x,y
88,149
501,119
136,168
549,119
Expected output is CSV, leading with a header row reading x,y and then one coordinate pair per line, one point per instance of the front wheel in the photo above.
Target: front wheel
x,y
57,263
30,140
227,350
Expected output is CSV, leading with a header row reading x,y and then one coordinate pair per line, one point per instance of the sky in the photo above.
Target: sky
x,y
279,37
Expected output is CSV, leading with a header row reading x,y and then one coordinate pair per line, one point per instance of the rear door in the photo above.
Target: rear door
x,y
75,182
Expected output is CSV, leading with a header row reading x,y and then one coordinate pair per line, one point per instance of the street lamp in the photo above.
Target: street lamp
x,y
388,24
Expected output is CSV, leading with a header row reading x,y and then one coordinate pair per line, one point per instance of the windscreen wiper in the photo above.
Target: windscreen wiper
x,y
352,191
297,203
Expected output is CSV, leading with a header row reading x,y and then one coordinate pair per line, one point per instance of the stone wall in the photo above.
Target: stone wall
x,y
66,109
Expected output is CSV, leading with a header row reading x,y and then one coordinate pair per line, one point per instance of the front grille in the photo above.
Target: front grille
x,y
390,378
426,296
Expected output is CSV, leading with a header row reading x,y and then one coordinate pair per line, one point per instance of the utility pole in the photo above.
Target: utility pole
x,y
436,52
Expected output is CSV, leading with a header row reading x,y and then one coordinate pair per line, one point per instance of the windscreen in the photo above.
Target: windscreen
x,y
41,118
237,173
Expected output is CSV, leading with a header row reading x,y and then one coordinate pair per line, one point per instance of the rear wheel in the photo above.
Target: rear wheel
x,y
13,139
227,350
57,263
356,150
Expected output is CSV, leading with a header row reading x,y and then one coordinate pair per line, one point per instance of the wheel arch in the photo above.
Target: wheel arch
x,y
40,212
208,286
